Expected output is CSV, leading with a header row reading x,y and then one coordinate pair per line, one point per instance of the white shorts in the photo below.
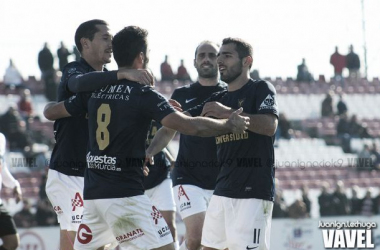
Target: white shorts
x,y
65,194
132,221
162,196
237,224
191,199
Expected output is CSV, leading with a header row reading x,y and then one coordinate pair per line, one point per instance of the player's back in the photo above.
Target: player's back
x,y
119,119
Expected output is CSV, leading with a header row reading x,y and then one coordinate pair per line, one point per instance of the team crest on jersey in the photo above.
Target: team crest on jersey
x,y
240,102
268,103
181,192
77,201
156,215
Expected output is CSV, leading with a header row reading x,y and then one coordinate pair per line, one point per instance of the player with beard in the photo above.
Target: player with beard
x,y
240,210
68,160
119,119
196,168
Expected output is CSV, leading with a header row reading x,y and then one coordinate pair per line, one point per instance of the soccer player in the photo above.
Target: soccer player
x,y
119,118
196,168
8,232
64,185
240,210
158,184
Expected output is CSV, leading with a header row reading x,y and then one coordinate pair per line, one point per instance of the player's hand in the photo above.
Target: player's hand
x,y
17,193
176,105
148,159
217,110
238,123
142,76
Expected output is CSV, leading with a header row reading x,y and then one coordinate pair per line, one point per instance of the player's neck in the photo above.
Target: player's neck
x,y
239,82
98,66
208,81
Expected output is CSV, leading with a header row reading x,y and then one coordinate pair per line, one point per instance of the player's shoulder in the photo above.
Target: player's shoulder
x,y
71,67
184,88
261,85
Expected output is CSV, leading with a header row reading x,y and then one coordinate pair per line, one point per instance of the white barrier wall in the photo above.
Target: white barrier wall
x,y
286,234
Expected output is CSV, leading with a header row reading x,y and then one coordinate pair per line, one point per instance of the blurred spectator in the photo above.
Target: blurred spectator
x,y
368,207
45,215
305,198
12,77
279,206
182,74
76,53
324,201
339,62
353,64
343,133
25,105
303,74
327,106
341,106
356,129
46,62
14,129
283,129
63,54
365,161
340,204
24,218
298,210
355,202
375,156
255,74
166,71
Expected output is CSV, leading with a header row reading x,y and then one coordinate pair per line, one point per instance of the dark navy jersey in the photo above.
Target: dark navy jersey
x,y
247,159
119,117
71,134
160,170
196,162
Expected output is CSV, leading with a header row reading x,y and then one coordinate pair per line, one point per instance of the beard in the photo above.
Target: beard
x,y
210,72
230,75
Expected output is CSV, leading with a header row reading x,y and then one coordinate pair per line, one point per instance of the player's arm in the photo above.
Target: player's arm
x,y
74,106
263,124
160,140
55,110
6,176
204,126
91,81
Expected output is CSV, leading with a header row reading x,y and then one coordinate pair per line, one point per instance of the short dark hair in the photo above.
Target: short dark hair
x,y
243,48
202,43
87,30
128,43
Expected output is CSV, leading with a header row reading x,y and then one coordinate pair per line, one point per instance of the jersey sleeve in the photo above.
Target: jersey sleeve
x,y
77,104
197,110
155,105
266,99
6,176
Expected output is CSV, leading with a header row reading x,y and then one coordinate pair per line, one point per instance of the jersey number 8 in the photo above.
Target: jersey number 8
x,y
103,120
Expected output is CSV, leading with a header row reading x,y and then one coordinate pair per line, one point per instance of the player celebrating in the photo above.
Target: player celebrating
x,y
65,177
119,119
196,168
8,233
